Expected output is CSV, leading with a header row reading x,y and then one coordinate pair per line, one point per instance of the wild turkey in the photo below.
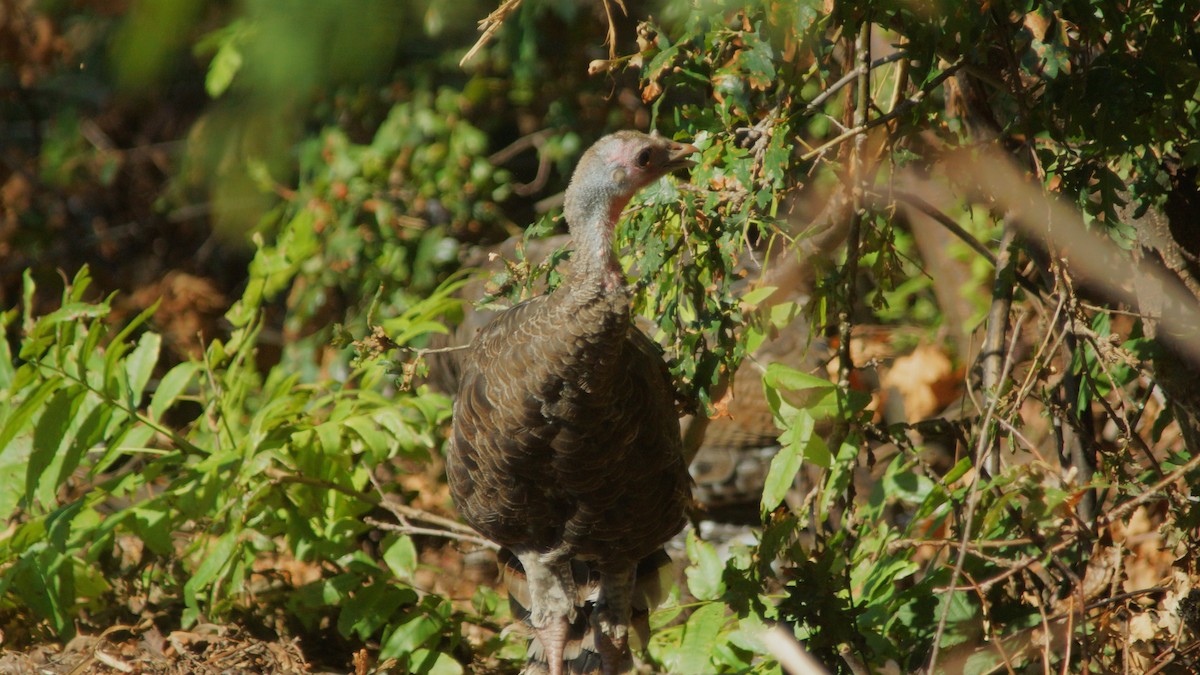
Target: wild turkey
x,y
565,447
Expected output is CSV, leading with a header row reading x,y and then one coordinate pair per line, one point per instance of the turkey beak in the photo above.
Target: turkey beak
x,y
677,156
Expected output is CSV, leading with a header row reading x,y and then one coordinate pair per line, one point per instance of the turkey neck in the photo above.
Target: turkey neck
x,y
593,300
594,269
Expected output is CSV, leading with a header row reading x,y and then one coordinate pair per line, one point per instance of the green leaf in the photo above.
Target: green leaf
x,y
14,458
171,386
225,65
840,474
48,436
378,443
785,464
957,471
413,633
216,557
18,421
962,619
140,365
154,527
371,608
329,436
902,484
400,555
7,371
781,378
43,579
699,638
757,295
427,662
131,440
704,575
798,444
789,390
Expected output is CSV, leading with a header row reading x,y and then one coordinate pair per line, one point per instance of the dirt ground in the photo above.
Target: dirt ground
x,y
208,649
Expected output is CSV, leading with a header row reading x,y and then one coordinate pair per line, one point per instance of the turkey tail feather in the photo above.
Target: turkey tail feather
x,y
581,655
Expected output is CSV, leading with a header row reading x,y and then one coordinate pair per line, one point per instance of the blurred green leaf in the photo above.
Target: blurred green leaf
x,y
704,575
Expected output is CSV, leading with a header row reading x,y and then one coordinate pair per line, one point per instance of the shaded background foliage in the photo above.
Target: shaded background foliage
x,y
238,190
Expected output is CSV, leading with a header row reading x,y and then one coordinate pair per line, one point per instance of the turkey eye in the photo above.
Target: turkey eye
x,y
643,158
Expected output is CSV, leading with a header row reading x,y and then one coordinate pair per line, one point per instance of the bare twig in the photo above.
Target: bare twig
x,y
612,25
901,79
534,140
946,222
858,179
1072,422
1107,353
404,511
857,173
1169,658
972,500
990,354
854,234
1045,352
1046,218
900,544
849,77
857,666
790,653
406,528
489,26
279,476
1104,519
900,109
449,528
422,351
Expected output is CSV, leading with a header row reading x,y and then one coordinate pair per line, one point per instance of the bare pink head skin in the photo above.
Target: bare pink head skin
x,y
606,178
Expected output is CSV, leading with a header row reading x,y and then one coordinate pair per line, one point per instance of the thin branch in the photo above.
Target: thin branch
x,y
1108,352
857,666
1045,352
858,178
901,81
450,529
899,544
990,354
849,77
790,653
612,25
1116,514
904,107
946,222
854,235
423,351
1167,659
1077,432
972,502
403,511
534,140
279,476
1127,431
405,528
489,26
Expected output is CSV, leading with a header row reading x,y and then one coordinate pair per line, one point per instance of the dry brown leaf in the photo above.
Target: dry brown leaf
x,y
925,380
1143,626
